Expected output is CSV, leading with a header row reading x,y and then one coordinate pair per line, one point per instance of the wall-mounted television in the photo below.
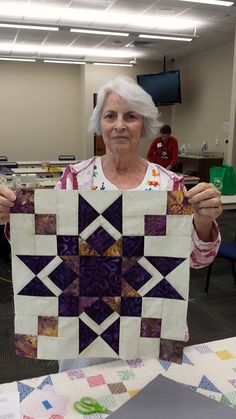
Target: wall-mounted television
x,y
163,87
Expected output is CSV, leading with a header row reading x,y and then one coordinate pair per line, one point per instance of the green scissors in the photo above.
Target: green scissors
x,y
88,405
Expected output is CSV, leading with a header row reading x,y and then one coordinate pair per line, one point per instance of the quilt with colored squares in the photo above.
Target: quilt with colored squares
x,y
100,273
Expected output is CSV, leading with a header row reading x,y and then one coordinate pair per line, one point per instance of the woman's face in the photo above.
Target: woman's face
x,y
121,127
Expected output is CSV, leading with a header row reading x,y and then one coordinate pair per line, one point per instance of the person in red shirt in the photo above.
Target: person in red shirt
x,y
164,149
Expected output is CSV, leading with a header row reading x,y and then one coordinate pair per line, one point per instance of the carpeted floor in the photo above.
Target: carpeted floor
x,y
210,317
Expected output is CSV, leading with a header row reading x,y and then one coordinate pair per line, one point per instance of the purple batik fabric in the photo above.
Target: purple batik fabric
x,y
155,225
62,276
133,246
136,276
24,203
67,245
87,214
45,224
100,240
100,274
150,328
164,290
86,336
36,288
131,306
99,311
36,263
68,305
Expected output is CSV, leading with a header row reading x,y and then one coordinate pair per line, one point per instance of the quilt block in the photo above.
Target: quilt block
x,y
100,273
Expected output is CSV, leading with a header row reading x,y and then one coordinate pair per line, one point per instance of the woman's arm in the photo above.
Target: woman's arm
x,y
207,207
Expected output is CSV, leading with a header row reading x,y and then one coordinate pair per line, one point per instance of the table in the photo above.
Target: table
x,y
36,163
200,164
47,183
191,180
209,369
39,171
228,202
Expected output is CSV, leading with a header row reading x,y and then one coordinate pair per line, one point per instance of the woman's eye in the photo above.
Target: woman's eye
x,y
109,116
131,116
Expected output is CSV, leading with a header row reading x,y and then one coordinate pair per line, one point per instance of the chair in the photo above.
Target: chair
x,y
66,157
228,252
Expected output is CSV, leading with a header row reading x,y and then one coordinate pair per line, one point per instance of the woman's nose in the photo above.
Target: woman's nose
x,y
119,124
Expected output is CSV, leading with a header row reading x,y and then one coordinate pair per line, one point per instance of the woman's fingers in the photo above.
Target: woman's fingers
x,y
202,192
6,194
5,204
7,199
207,203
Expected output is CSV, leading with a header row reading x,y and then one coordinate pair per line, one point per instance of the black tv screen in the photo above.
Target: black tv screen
x,y
163,87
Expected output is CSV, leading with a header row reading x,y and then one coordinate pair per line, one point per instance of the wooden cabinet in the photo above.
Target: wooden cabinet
x,y
199,165
99,146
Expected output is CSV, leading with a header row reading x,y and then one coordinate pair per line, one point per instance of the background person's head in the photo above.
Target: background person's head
x,y
133,96
165,132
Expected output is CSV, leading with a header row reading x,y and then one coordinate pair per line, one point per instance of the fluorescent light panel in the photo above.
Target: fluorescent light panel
x,y
81,17
35,27
97,32
17,59
115,64
213,2
167,37
64,62
68,53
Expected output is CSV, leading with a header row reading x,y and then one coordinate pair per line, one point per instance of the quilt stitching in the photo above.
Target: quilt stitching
x,y
119,287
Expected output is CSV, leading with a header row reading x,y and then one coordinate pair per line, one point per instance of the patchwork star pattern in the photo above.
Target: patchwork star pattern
x,y
100,273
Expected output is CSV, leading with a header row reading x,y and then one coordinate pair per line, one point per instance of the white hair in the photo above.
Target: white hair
x,y
134,96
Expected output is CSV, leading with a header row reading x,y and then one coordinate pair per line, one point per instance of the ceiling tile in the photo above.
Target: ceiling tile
x,y
91,4
129,6
217,26
31,36
167,11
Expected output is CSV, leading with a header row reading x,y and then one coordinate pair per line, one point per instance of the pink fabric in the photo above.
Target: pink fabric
x,y
202,253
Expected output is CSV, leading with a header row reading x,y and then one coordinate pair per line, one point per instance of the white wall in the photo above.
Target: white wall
x,y
40,105
206,81
45,108
231,148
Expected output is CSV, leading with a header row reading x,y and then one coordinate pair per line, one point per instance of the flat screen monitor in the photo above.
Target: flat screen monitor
x,y
163,87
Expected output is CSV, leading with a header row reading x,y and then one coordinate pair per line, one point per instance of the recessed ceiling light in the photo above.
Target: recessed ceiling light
x,y
214,2
166,10
115,64
35,27
167,37
64,62
98,32
31,60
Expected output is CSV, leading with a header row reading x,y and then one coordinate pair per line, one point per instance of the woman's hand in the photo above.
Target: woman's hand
x,y
206,204
7,198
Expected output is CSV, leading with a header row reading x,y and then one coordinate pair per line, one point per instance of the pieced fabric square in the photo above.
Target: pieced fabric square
x,y
100,273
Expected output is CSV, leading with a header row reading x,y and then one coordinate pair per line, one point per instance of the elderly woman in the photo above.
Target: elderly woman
x,y
125,113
